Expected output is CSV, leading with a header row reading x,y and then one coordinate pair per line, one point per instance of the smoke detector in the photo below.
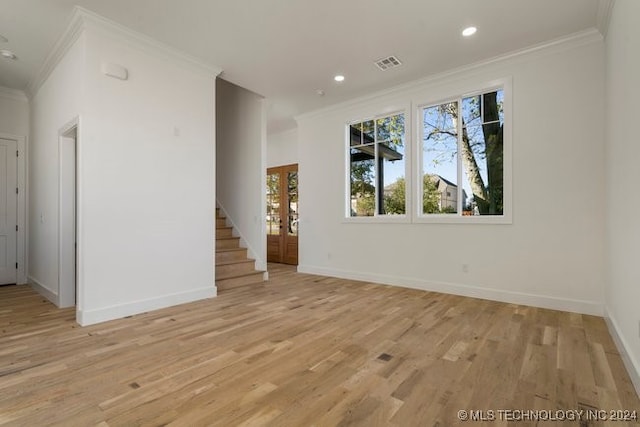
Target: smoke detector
x,y
388,62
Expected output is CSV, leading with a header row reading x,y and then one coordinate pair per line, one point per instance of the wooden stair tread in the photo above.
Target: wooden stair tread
x,y
230,249
236,275
241,281
223,232
235,261
242,274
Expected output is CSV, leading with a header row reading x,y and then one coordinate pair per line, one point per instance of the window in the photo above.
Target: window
x,y
273,204
377,167
462,156
457,169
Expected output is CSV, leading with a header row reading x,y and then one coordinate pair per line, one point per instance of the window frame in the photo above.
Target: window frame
x,y
507,217
377,217
411,105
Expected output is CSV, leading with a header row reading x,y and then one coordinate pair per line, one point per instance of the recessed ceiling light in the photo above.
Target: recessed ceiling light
x,y
3,39
469,31
339,78
8,54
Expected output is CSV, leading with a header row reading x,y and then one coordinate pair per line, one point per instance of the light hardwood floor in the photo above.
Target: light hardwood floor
x,y
304,350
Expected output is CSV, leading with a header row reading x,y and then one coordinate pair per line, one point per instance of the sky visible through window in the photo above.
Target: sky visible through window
x,y
394,170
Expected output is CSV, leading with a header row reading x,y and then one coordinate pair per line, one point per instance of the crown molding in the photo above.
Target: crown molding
x,y
148,44
62,46
603,15
571,41
82,20
15,94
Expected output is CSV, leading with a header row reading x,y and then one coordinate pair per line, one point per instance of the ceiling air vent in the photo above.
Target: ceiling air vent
x,y
388,62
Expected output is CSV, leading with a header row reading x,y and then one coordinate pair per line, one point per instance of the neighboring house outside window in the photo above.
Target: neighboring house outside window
x,y
447,193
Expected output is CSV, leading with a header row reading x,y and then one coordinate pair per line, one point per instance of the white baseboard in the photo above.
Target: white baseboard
x,y
43,290
90,317
541,301
632,365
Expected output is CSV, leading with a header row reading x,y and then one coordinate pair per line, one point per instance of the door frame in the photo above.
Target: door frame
x,y
69,288
21,238
283,170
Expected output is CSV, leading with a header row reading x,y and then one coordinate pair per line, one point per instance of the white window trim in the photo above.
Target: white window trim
x,y
413,163
507,217
408,148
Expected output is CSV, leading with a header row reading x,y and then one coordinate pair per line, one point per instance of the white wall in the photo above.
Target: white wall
x,y
147,178
623,175
241,165
14,112
552,253
57,102
146,174
282,148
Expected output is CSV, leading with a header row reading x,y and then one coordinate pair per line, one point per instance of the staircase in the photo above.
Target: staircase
x,y
233,268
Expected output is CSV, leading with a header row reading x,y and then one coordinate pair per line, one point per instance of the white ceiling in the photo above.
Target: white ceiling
x,y
287,49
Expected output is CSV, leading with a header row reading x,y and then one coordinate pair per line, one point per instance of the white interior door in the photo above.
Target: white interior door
x,y
8,211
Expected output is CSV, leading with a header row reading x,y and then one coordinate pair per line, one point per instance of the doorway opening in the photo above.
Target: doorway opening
x,y
282,214
67,251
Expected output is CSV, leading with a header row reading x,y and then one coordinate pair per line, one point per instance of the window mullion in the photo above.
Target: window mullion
x,y
419,191
459,159
376,208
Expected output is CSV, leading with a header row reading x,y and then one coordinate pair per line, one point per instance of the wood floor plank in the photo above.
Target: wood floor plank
x,y
302,350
